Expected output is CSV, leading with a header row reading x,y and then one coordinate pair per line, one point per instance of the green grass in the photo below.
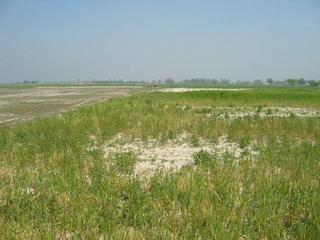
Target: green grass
x,y
257,97
274,197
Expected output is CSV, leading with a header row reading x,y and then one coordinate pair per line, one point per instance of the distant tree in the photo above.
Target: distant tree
x,y
279,82
170,81
292,81
203,81
313,83
302,81
213,81
30,82
270,80
258,82
224,81
194,80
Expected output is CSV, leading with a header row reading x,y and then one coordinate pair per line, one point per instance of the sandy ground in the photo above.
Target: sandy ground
x,y
177,90
173,155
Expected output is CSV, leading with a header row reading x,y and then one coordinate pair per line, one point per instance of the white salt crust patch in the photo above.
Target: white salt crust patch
x,y
173,155
232,113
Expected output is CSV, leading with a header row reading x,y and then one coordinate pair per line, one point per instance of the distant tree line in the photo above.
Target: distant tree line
x,y
201,82
112,82
225,82
30,82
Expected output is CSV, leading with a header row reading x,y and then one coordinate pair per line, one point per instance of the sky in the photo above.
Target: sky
x,y
59,40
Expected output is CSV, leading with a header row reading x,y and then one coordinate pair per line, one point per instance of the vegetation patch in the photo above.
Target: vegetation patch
x,y
232,113
78,175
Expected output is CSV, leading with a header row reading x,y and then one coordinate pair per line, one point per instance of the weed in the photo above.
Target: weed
x,y
203,158
123,163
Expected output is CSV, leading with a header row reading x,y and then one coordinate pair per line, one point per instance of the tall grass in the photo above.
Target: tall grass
x,y
52,187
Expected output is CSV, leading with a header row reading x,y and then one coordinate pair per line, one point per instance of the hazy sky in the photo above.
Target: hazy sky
x,y
63,40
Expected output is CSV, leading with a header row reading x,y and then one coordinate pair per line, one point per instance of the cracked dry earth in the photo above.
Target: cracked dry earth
x,y
171,156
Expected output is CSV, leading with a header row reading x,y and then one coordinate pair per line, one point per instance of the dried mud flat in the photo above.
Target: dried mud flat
x,y
23,104
171,156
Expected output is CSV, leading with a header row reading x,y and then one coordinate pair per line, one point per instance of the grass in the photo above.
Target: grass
x,y
52,187
256,97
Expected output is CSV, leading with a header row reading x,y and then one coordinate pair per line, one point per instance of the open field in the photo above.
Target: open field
x,y
187,165
18,104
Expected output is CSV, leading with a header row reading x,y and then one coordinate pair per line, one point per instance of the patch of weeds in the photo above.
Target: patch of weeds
x,y
294,221
227,159
259,109
124,163
244,141
292,115
188,107
171,135
195,140
163,139
269,112
203,158
204,111
255,117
